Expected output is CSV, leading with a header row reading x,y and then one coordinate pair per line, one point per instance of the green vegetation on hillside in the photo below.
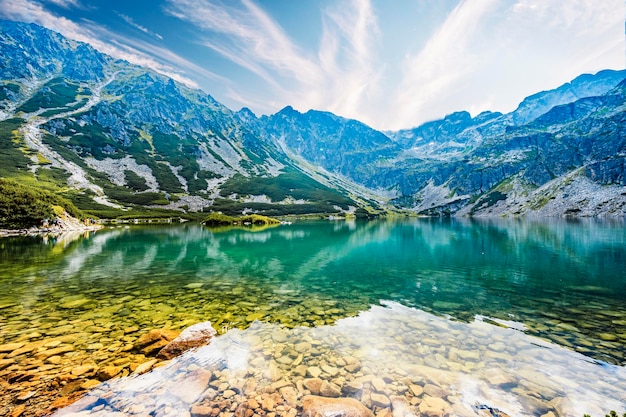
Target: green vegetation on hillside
x,y
8,89
22,206
218,219
12,158
56,93
234,208
289,184
134,181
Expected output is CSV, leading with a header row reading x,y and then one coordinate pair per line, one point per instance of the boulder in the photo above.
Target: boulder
x,y
199,334
313,406
153,341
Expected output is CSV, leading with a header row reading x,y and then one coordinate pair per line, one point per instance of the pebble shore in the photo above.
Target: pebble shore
x,y
388,361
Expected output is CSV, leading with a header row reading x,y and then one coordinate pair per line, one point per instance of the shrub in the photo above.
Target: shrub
x,y
23,206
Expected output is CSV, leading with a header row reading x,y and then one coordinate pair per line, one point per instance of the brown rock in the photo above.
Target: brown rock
x,y
346,407
25,396
10,347
18,411
433,407
192,337
313,385
4,363
107,372
201,411
82,370
416,390
385,412
89,384
145,367
380,400
328,389
290,395
155,340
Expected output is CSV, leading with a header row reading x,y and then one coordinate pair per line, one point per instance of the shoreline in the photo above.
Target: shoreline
x,y
48,231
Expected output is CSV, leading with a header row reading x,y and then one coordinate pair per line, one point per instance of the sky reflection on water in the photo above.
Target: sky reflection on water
x,y
470,364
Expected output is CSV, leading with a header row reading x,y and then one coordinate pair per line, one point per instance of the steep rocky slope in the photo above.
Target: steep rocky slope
x,y
125,137
113,137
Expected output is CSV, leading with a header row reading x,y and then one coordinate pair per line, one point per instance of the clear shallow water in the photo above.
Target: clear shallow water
x,y
555,284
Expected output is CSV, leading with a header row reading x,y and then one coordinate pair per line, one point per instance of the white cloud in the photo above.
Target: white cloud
x,y
489,55
102,40
340,77
444,61
66,4
143,29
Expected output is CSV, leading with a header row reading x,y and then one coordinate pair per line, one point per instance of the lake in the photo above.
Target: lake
x,y
409,317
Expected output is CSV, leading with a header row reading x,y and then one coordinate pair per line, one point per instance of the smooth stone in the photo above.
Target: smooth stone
x,y
192,337
496,376
345,407
154,336
18,411
4,363
330,370
469,354
279,336
416,390
201,411
194,385
313,385
75,303
254,316
25,396
607,337
380,400
228,393
379,384
352,387
89,384
107,372
83,369
567,327
10,347
434,391
329,389
313,371
290,395
433,407
145,367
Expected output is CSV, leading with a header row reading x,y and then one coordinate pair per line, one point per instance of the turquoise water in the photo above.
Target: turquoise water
x,y
551,283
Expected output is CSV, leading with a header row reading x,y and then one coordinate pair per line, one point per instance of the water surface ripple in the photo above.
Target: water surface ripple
x,y
536,308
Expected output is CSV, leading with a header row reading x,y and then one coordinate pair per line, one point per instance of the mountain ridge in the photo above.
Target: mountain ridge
x,y
114,136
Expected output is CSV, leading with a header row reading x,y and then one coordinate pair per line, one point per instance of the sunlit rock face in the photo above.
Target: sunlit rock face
x,y
115,129
390,358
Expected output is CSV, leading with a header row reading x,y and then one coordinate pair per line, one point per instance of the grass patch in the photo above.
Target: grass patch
x,y
233,208
56,93
23,206
290,184
12,157
219,219
135,181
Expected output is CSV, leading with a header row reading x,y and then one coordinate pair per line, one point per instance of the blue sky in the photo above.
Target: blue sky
x,y
390,63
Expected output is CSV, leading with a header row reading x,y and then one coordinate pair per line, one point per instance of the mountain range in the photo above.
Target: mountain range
x,y
115,138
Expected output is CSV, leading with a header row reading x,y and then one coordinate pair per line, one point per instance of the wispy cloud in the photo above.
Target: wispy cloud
x,y
443,61
66,4
103,40
489,55
338,77
137,26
